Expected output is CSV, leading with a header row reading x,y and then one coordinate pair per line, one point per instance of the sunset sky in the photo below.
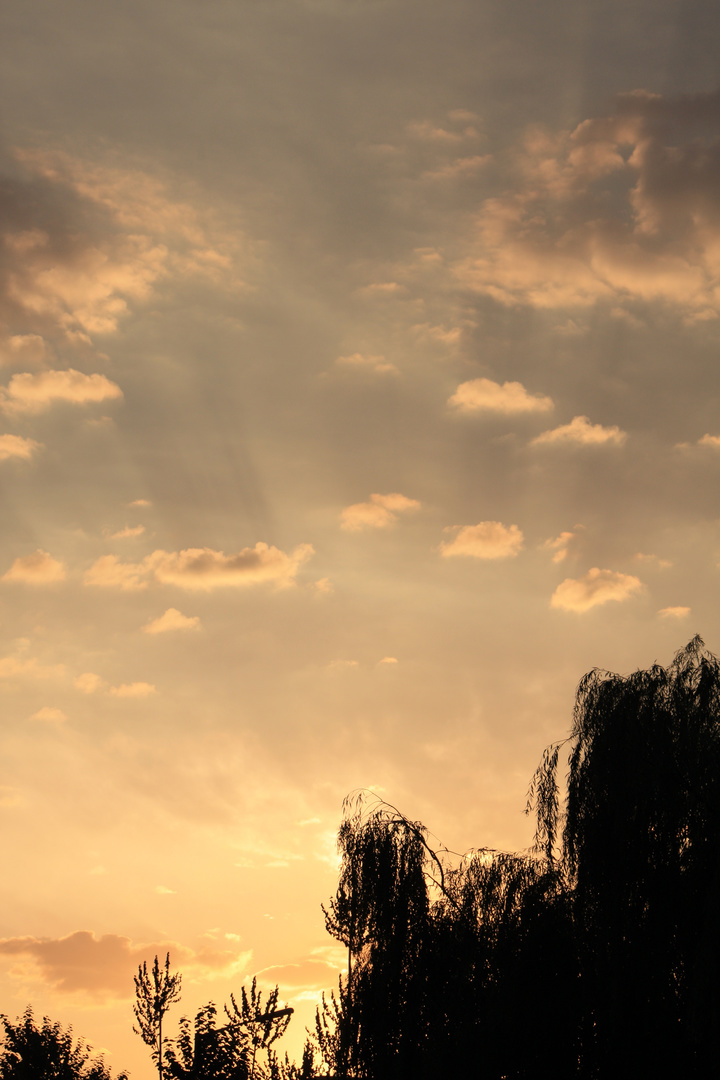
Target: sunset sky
x,y
359,392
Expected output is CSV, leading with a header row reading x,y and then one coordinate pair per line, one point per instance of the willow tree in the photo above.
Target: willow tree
x,y
640,845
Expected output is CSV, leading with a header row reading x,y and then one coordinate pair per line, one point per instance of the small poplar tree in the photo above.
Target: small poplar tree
x,y
155,992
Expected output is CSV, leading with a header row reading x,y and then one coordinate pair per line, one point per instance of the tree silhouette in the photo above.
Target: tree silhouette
x,y
48,1052
641,850
602,941
155,992
204,1051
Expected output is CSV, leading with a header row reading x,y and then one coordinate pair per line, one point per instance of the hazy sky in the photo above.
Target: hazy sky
x,y
359,392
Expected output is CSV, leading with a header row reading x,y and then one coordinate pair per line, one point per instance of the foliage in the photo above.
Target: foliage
x,y
594,954
155,992
47,1052
230,1052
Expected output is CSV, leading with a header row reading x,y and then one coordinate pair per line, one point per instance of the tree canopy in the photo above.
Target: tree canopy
x,y
594,953
47,1052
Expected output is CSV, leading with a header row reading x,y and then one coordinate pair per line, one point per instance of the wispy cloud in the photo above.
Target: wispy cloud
x,y
593,589
486,540
367,362
674,612
380,512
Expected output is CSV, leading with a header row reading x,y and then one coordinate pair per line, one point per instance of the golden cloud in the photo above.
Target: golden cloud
x,y
37,569
13,666
593,589
361,361
582,433
28,393
484,395
132,690
202,568
486,540
674,612
105,966
172,619
379,512
625,207
15,446
50,714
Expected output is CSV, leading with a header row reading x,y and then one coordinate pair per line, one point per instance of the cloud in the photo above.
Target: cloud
x,y
37,569
560,545
171,620
484,395
710,440
307,974
23,349
202,568
15,446
84,241
379,513
132,690
128,533
28,393
13,666
359,361
105,966
624,208
388,660
140,502
594,588
582,433
88,682
486,540
50,714
674,612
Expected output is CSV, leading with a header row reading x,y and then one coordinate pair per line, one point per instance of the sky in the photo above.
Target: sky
x,y
359,393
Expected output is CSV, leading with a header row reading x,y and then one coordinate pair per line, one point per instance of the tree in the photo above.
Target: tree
x,y
155,992
48,1052
640,846
229,1052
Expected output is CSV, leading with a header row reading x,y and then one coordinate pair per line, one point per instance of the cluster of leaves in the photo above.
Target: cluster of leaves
x,y
46,1052
594,954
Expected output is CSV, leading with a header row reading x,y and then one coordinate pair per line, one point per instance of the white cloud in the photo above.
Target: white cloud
x,y
486,540
594,588
171,620
674,612
364,362
379,512
582,433
132,690
33,393
49,714
37,569
15,446
510,398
